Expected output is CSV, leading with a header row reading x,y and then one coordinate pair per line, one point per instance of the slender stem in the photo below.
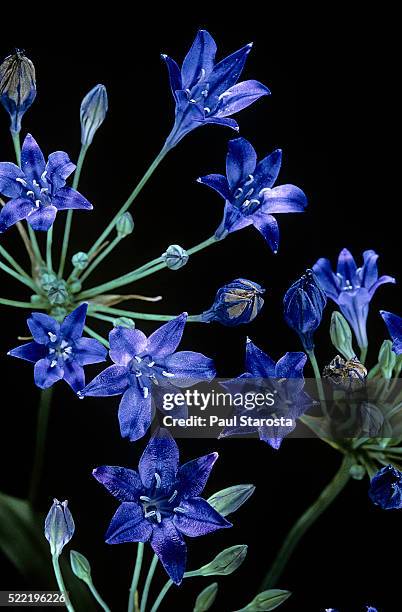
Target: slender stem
x,y
93,334
25,281
130,199
69,216
148,581
161,596
308,518
60,582
35,245
101,257
12,262
18,304
97,596
317,375
100,317
17,146
363,354
41,431
49,240
136,576
120,312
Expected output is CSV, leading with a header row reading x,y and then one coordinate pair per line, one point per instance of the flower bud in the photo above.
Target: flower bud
x,y
57,293
386,359
346,375
75,286
36,299
93,112
124,322
268,600
225,563
47,280
80,260
80,566
59,313
175,257
206,598
59,526
125,225
386,488
341,335
229,500
237,302
17,87
357,472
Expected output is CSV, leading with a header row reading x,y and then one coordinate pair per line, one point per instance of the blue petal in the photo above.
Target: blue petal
x,y
354,306
386,488
70,198
199,61
381,281
44,375
327,279
135,414
240,161
283,199
189,368
225,122
165,340
9,186
42,219
112,381
394,325
193,475
217,182
128,525
89,350
291,365
347,266
121,482
267,225
74,375
232,221
32,160
258,363
170,548
227,72
161,456
73,325
40,325
58,169
198,518
14,211
174,74
125,344
240,96
32,351
267,169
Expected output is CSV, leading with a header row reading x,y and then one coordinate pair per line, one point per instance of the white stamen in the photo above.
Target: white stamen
x,y
53,363
172,497
37,203
145,498
44,189
138,359
43,175
34,182
158,480
180,510
51,351
63,344
30,193
250,179
145,392
52,337
22,181
167,374
151,363
207,109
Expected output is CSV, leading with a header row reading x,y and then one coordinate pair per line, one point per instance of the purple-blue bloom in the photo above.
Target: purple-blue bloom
x,y
250,198
59,351
386,488
284,379
206,92
237,302
37,189
161,502
145,367
394,325
352,288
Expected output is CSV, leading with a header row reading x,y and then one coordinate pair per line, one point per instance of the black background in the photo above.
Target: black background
x,y
327,80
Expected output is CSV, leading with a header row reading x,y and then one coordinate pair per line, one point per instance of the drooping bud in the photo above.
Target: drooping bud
x,y
125,225
17,87
237,302
341,335
386,359
80,260
59,526
175,257
93,112
80,566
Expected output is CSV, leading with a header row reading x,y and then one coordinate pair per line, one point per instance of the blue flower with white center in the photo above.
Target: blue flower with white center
x,y
386,488
145,367
59,351
352,288
284,380
394,325
206,92
250,198
37,189
161,502
236,303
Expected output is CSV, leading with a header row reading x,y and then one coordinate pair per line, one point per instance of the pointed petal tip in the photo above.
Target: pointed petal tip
x,y
250,45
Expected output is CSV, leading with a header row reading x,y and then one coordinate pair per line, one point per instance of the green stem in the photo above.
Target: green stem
x,y
97,596
69,216
307,519
12,262
317,375
161,595
25,281
41,431
130,199
136,576
93,334
49,240
120,312
18,304
60,582
363,354
101,257
35,245
148,581
17,146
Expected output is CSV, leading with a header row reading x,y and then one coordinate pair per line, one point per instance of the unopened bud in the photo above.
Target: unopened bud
x,y
175,257
59,526
80,260
93,112
341,335
125,225
386,359
17,87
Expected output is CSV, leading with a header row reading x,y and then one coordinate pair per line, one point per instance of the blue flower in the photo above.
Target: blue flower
x,y
237,302
206,92
284,379
303,306
17,87
161,502
352,288
145,367
394,324
386,488
59,351
250,198
38,188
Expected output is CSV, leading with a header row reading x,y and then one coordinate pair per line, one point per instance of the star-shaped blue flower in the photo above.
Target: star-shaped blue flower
x,y
145,366
386,488
161,502
37,189
250,198
284,379
394,324
58,350
206,92
352,288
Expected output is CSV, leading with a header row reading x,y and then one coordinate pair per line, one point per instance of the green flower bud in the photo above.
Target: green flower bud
x,y
59,313
386,359
80,566
80,260
36,299
59,526
357,472
225,563
92,113
175,257
341,335
124,322
229,500
206,598
58,293
267,600
47,280
75,286
125,225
